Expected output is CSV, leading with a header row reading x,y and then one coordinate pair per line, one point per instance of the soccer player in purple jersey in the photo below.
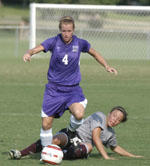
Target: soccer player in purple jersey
x,y
63,91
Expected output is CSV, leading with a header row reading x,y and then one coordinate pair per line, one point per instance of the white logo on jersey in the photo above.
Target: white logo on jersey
x,y
75,48
58,48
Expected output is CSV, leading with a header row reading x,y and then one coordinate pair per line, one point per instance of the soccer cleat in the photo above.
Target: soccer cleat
x,y
69,133
75,152
73,137
15,154
75,141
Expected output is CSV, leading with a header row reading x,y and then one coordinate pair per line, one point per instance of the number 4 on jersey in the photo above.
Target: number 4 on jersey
x,y
65,59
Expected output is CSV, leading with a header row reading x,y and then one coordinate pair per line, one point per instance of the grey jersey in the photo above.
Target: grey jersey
x,y
97,119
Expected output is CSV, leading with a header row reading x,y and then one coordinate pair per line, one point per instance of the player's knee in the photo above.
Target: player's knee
x,y
81,151
47,123
89,147
77,110
46,126
79,115
76,152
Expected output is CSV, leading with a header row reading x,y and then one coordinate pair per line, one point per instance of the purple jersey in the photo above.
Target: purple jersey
x,y
64,66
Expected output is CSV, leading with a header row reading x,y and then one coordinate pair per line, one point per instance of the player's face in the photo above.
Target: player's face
x,y
114,118
67,32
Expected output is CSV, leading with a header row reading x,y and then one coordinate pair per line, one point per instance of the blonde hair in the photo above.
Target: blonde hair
x,y
66,20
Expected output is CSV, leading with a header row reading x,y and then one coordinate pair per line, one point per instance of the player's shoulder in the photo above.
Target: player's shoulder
x,y
79,39
56,38
51,39
99,116
99,113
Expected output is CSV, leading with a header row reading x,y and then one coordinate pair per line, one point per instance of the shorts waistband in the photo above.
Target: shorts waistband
x,y
55,84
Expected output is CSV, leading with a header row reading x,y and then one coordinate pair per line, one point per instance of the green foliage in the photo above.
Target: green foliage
x,y
144,2
109,2
97,2
13,15
14,11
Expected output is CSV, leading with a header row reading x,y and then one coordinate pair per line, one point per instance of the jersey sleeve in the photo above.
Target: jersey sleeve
x,y
97,121
112,142
84,45
49,44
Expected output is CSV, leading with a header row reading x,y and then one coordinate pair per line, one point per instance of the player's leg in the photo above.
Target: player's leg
x,y
52,107
45,139
46,130
76,104
33,148
77,110
89,147
80,151
60,139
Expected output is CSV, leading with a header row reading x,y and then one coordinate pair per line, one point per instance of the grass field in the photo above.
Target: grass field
x,y
22,86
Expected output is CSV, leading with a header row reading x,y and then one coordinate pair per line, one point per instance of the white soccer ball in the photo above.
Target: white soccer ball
x,y
52,154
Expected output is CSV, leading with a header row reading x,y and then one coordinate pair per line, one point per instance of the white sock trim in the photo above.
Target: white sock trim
x,y
74,123
46,137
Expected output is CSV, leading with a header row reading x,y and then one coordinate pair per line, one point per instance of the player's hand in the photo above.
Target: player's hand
x,y
138,156
111,70
27,57
110,158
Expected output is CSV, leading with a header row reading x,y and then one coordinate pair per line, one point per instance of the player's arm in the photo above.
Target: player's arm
x,y
29,53
123,152
102,61
98,143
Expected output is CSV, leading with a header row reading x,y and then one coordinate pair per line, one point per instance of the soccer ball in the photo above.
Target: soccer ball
x,y
52,154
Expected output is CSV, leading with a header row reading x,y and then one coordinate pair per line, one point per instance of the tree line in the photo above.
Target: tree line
x,y
25,3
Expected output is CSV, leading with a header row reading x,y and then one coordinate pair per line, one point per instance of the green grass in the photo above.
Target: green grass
x,y
22,86
21,93
13,12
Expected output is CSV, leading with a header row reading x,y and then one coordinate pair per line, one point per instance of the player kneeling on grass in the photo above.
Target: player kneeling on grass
x,y
97,130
